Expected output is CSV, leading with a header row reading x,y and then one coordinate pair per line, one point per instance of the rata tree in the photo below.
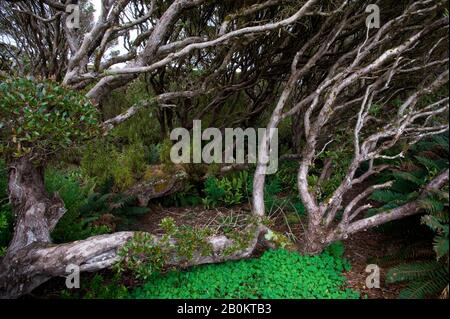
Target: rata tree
x,y
386,90
325,68
40,120
35,127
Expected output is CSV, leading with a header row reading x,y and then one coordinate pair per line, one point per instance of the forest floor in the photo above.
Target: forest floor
x,y
359,248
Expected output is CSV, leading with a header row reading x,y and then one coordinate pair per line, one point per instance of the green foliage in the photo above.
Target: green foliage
x,y
73,225
388,196
432,204
105,202
340,152
425,278
336,249
424,161
298,207
42,118
85,207
214,193
287,175
277,274
279,239
97,288
164,153
438,222
237,188
153,154
103,161
230,190
145,254
271,189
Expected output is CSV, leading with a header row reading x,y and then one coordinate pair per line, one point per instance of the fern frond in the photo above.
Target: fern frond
x,y
387,196
416,271
442,141
423,288
428,163
432,205
409,177
441,244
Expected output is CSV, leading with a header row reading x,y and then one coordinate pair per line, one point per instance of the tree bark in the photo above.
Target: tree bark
x,y
32,259
314,237
36,215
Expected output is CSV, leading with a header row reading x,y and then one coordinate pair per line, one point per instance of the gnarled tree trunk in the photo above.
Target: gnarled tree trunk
x,y
32,259
36,215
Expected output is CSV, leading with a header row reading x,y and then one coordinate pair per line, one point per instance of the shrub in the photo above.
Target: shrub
x,y
120,209
73,225
144,255
277,274
230,190
427,278
424,161
213,192
42,118
103,161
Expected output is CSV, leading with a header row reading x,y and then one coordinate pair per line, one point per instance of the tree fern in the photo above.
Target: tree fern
x,y
424,278
424,288
416,271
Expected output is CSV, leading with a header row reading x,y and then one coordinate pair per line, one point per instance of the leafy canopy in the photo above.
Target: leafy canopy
x,y
40,119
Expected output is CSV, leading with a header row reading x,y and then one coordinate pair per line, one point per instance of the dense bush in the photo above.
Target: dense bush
x,y
89,212
427,278
229,190
424,277
103,161
73,225
409,175
277,274
42,118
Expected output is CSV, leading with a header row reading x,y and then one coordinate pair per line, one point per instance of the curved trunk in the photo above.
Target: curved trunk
x,y
36,212
36,215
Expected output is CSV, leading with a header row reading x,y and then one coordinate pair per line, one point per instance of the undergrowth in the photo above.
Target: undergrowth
x,y
277,274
